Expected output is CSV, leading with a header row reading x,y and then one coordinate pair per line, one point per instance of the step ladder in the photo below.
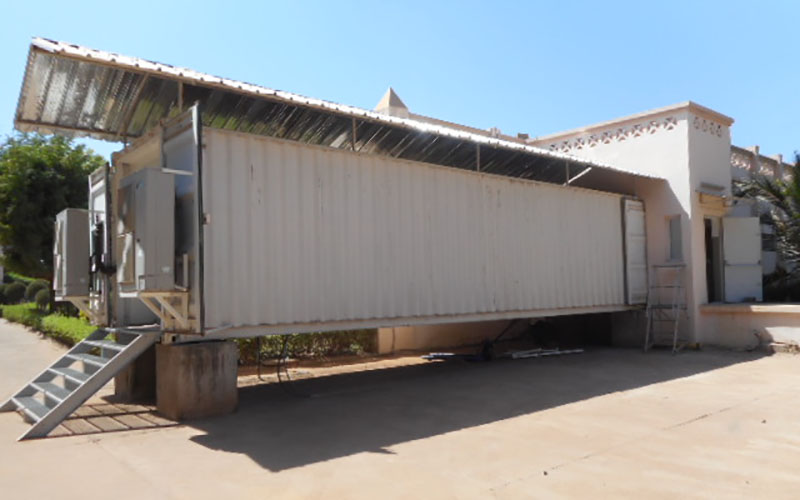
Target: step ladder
x,y
666,303
59,390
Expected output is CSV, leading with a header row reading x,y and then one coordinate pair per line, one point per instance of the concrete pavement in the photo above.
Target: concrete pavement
x,y
607,423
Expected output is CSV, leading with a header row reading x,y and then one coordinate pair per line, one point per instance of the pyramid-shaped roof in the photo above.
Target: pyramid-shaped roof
x,y
390,100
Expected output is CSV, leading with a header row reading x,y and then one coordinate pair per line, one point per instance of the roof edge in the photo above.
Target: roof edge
x,y
143,66
686,105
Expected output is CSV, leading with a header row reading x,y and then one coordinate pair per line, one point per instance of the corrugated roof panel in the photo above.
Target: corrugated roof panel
x,y
86,92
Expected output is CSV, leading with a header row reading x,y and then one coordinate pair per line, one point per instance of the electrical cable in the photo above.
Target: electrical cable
x,y
505,330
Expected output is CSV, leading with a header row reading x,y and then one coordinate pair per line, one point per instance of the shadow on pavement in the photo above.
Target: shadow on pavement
x,y
370,411
102,418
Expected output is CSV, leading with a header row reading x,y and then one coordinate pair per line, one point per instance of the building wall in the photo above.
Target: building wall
x,y
687,145
655,144
415,338
749,326
709,168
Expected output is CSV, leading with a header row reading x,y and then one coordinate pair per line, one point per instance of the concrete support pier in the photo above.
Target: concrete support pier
x,y
196,380
137,382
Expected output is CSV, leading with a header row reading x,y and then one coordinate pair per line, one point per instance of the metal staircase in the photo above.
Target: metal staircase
x,y
59,390
666,303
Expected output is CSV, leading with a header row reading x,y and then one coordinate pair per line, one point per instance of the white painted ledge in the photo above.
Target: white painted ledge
x,y
750,308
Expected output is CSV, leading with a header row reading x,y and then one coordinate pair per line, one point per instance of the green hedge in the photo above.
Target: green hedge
x,y
35,287
13,293
66,329
310,345
42,299
62,328
25,280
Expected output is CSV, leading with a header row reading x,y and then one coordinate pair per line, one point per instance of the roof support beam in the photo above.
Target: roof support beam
x,y
585,171
126,121
354,137
30,126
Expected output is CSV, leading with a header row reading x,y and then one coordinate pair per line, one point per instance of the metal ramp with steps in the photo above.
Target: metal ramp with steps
x,y
59,390
666,303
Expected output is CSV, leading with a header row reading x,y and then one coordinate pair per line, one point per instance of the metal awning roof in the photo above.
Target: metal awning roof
x,y
83,92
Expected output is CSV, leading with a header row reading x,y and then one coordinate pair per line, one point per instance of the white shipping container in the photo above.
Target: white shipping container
x,y
299,237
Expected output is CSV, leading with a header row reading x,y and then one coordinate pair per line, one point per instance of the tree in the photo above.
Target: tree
x,y
39,177
783,197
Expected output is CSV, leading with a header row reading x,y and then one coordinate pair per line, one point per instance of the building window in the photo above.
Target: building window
x,y
768,243
675,240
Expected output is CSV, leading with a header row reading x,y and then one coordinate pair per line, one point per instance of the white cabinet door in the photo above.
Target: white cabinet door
x,y
635,252
741,246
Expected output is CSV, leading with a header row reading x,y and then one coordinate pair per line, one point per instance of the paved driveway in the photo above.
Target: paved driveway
x,y
605,423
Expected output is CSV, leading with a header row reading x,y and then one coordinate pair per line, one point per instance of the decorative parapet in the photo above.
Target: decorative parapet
x,y
640,125
614,135
707,125
749,161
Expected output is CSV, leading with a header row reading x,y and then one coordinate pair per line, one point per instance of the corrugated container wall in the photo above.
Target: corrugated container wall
x,y
303,234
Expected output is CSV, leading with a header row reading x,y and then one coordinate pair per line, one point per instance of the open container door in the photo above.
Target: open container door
x,y
101,268
741,244
157,227
635,252
182,157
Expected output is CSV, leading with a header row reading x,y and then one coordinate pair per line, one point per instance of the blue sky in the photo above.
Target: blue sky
x,y
535,67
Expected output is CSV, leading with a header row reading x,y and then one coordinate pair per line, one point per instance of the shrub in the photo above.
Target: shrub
x,y
14,293
309,345
2,293
66,329
42,299
34,287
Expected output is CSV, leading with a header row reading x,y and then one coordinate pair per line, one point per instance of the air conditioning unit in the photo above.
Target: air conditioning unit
x,y
146,232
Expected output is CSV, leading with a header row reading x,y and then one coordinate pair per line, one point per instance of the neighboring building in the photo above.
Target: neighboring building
x,y
744,163
693,218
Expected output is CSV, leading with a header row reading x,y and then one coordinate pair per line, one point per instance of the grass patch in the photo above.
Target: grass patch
x,y
27,314
65,329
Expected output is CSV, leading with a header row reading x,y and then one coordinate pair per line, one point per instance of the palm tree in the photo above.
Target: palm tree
x,y
782,195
